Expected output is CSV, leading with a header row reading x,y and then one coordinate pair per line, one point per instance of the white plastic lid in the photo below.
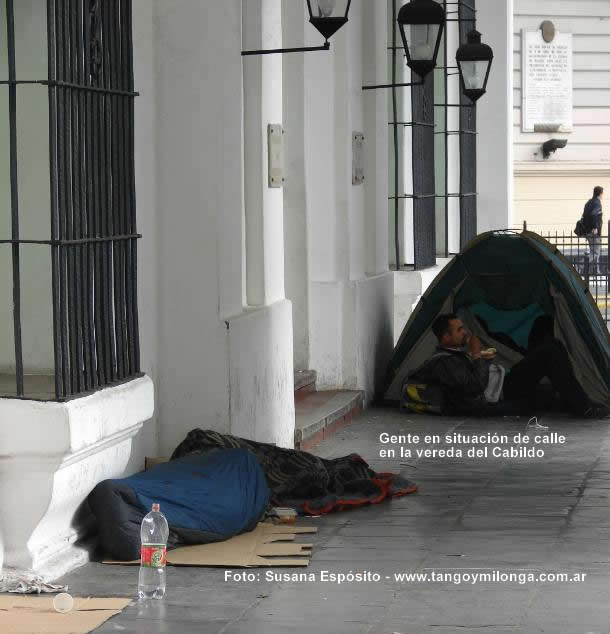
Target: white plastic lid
x,y
155,508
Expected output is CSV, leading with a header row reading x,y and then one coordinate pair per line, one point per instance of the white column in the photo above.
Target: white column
x,y
295,194
325,290
320,158
343,149
375,70
262,29
495,119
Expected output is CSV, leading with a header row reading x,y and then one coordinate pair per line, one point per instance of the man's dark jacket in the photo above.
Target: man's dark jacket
x,y
592,215
464,380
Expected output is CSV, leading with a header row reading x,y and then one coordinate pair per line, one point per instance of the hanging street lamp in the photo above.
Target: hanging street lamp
x,y
328,16
421,24
474,63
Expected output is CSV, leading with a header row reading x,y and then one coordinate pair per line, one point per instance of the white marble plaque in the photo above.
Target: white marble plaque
x,y
546,71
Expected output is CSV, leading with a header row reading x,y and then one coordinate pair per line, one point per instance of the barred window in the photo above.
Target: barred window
x,y
433,198
68,237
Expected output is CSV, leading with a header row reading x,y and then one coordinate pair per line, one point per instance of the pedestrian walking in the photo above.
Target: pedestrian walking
x,y
592,220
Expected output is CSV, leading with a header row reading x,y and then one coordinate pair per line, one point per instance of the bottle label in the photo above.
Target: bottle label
x,y
153,555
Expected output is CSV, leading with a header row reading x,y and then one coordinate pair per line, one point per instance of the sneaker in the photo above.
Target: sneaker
x,y
596,412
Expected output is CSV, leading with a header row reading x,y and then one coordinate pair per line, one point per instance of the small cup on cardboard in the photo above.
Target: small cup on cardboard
x,y
63,602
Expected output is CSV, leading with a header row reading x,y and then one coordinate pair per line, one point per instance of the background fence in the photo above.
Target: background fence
x,y
576,250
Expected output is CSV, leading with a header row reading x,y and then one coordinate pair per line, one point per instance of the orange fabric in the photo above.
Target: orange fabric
x,y
383,480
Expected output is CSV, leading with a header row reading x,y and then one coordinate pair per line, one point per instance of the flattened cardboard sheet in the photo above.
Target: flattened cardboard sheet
x,y
28,614
259,548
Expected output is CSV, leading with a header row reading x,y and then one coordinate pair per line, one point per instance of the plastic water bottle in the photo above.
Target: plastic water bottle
x,y
153,533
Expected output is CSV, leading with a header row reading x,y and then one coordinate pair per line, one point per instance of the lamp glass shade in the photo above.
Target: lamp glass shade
x,y
422,42
328,16
326,8
474,74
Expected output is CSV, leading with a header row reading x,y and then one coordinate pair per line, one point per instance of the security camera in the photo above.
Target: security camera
x,y
552,145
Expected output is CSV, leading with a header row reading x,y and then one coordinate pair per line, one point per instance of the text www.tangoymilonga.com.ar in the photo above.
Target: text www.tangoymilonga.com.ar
x,y
474,576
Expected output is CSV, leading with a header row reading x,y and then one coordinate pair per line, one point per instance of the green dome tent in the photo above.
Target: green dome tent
x,y
505,280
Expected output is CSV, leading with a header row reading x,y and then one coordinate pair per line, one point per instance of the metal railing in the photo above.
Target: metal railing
x,y
576,250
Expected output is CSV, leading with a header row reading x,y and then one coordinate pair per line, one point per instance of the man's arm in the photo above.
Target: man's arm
x,y
597,220
456,372
596,217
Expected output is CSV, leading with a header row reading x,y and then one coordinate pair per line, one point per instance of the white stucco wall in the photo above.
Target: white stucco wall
x,y
372,345
261,374
335,232
53,454
374,68
204,279
494,120
352,332
190,121
294,191
350,290
262,95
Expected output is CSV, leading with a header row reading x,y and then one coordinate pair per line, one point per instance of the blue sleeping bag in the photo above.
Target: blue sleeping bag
x,y
205,498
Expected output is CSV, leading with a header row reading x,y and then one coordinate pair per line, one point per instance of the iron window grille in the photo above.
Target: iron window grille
x,y
425,187
93,236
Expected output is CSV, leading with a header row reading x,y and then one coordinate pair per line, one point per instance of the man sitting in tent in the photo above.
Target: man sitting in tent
x,y
472,382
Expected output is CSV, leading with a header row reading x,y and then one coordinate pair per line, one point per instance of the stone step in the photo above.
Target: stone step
x,y
320,414
304,383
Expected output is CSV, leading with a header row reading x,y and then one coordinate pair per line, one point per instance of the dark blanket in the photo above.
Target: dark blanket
x,y
300,480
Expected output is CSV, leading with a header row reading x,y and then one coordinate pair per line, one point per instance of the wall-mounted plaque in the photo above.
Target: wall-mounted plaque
x,y
275,152
546,81
357,158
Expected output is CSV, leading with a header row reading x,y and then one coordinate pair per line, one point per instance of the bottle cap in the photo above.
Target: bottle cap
x,y
155,508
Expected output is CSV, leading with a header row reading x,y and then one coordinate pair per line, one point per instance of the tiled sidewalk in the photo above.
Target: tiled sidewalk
x,y
471,516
